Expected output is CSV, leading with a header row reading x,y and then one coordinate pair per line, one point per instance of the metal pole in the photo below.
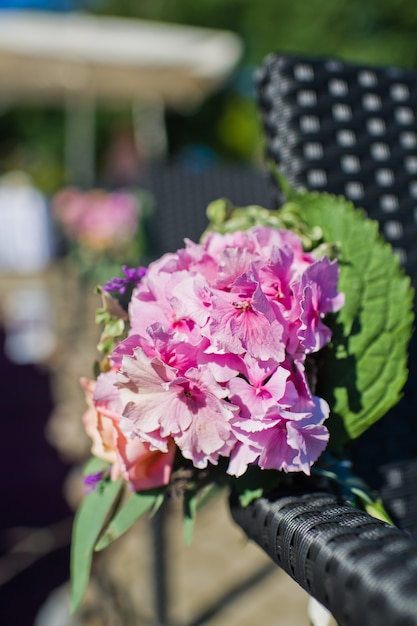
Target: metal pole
x,y
80,135
160,567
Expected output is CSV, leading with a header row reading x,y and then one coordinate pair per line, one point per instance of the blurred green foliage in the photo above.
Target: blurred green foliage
x,y
368,31
372,31
32,140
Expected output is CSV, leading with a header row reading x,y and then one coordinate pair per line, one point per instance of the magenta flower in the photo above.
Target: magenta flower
x,y
262,386
318,296
284,440
295,444
245,321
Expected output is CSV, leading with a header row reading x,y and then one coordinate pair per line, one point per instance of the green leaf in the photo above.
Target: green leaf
x,y
207,493
135,506
115,327
190,512
249,495
88,523
158,502
196,496
111,308
364,369
218,211
375,508
224,217
256,482
95,465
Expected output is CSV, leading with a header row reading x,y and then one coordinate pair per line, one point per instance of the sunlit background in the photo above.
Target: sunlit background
x,y
119,121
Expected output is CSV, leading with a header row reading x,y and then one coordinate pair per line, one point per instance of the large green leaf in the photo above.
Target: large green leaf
x,y
88,524
364,369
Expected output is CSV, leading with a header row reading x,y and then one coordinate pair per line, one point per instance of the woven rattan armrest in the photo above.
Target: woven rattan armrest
x,y
361,569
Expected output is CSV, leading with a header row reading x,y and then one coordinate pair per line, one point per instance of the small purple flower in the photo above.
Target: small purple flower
x,y
91,481
133,276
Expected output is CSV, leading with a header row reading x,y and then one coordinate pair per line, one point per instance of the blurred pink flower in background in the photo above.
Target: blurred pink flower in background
x,y
97,219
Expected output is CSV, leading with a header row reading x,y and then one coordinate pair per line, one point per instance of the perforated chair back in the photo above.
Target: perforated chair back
x,y
351,129
348,129
182,195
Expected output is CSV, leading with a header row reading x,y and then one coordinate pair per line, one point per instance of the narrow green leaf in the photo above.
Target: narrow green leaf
x,y
194,499
95,465
375,508
190,511
158,502
207,493
136,505
88,523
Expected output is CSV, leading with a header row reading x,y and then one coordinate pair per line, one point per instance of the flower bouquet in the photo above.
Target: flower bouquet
x,y
238,361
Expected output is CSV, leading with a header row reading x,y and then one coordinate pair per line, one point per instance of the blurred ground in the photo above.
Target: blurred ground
x,y
221,580
31,493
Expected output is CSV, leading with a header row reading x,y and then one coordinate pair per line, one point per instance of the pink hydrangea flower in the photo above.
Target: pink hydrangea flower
x,y
191,409
318,296
215,356
262,385
284,440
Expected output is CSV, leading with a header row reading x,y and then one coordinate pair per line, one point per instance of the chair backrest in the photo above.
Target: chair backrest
x,y
182,194
351,129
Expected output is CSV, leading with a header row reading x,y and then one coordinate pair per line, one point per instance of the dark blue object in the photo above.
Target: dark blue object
x,y
47,5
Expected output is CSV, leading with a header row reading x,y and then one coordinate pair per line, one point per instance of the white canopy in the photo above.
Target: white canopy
x,y
78,60
47,57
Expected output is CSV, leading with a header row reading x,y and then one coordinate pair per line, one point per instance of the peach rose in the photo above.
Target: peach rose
x,y
130,458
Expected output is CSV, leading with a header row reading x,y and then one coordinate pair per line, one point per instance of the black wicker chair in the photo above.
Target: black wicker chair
x,y
181,196
351,130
